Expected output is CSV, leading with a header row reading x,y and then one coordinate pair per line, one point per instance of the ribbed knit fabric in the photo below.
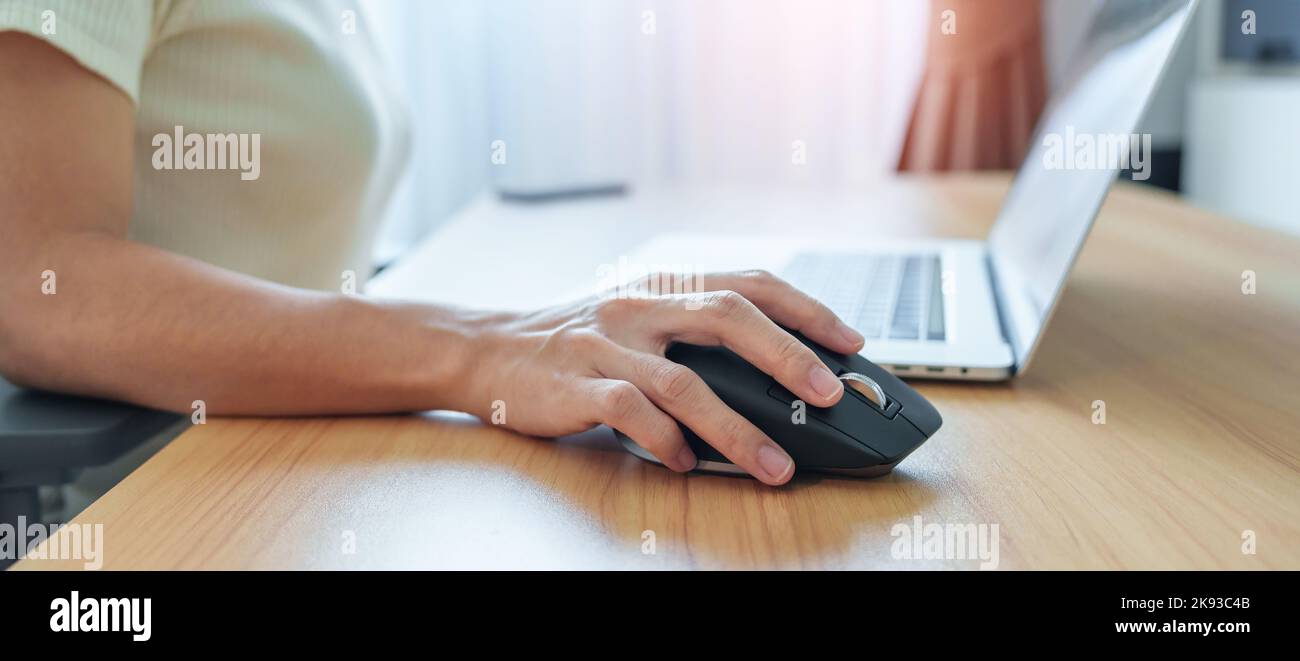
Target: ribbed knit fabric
x,y
333,133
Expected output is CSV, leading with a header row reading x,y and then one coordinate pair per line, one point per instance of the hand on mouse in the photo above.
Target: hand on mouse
x,y
600,360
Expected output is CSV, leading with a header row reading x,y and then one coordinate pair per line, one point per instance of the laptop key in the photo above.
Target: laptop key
x,y
906,321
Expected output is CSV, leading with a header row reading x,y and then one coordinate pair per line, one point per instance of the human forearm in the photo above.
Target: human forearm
x,y
135,323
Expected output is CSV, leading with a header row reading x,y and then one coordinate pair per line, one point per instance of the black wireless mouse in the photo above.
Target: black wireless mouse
x,y
861,435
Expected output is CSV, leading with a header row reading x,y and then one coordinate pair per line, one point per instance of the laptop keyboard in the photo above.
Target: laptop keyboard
x,y
894,297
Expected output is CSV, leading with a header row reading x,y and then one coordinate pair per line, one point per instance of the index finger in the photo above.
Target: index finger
x,y
729,319
790,307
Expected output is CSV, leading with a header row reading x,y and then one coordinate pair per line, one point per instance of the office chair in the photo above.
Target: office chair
x,y
46,439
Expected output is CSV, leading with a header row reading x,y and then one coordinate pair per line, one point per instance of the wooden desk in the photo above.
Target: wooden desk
x,y
1201,385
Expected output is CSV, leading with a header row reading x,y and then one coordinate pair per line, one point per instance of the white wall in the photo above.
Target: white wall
x,y
1243,155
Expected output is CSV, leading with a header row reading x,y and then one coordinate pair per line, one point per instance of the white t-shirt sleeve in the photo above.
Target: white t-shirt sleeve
x,y
109,38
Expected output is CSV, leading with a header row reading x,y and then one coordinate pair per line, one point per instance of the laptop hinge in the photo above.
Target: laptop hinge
x,y
998,297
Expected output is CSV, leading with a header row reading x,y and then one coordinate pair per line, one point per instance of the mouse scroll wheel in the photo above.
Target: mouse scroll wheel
x,y
867,387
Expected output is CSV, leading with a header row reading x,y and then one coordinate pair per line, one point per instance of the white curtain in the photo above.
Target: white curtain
x,y
700,90
437,50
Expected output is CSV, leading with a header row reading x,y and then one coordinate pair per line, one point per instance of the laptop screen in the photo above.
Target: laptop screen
x,y
1085,136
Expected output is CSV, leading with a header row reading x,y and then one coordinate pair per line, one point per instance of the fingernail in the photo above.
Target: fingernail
x,y
851,336
775,462
824,382
686,458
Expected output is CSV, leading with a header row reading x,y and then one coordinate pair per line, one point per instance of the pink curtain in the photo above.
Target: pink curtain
x,y
983,88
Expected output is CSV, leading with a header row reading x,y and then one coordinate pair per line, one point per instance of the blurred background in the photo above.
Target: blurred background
x,y
578,93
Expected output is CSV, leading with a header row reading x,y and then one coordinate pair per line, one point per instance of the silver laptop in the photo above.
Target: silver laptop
x,y
960,309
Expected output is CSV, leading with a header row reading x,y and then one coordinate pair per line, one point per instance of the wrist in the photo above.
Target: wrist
x,y
464,347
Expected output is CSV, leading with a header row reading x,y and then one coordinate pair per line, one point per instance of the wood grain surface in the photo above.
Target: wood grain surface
x,y
1200,446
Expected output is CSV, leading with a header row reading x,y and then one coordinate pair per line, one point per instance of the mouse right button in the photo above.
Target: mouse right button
x,y
921,413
